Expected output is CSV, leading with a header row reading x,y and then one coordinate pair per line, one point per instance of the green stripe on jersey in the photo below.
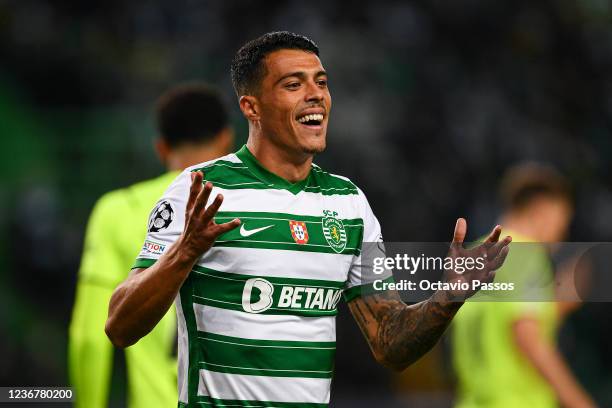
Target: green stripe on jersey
x,y
264,372
349,294
231,176
143,263
328,184
266,357
264,294
274,231
283,217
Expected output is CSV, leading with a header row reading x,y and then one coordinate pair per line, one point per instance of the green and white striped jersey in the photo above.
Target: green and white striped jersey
x,y
256,316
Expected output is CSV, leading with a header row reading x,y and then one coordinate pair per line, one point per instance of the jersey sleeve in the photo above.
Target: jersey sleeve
x,y
362,276
166,221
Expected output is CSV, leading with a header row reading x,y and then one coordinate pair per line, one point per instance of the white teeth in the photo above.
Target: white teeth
x,y
314,116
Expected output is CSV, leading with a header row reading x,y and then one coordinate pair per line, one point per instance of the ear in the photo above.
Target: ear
x,y
249,105
163,150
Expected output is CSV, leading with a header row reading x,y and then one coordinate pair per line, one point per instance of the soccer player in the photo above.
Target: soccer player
x,y
193,127
257,284
504,352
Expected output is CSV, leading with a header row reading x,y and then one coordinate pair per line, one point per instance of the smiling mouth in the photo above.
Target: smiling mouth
x,y
313,119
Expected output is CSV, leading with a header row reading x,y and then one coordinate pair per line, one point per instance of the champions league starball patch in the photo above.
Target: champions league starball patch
x,y
161,216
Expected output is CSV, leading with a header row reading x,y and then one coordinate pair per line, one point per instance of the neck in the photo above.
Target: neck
x,y
190,155
280,161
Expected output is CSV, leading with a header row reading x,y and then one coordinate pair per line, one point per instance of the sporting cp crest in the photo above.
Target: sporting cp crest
x,y
299,232
334,232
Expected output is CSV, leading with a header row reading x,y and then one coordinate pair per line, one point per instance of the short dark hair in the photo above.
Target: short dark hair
x,y
248,68
523,183
190,113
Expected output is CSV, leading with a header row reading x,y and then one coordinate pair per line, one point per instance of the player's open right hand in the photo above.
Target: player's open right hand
x,y
201,230
492,253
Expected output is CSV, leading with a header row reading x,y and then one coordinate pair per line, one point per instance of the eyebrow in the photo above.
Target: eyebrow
x,y
300,74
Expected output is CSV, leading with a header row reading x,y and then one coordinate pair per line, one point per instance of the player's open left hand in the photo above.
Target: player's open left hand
x,y
201,230
488,256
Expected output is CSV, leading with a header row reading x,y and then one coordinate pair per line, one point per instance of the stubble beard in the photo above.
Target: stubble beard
x,y
316,149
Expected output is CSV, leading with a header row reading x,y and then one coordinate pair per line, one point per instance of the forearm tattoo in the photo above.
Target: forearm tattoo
x,y
399,334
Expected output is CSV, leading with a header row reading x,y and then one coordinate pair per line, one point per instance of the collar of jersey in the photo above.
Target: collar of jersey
x,y
268,177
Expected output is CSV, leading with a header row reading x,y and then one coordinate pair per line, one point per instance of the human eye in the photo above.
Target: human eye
x,y
322,82
292,85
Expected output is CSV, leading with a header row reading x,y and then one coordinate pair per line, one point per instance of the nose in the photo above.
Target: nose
x,y
314,93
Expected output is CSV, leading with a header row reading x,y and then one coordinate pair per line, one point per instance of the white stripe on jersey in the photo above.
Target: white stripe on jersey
x,y
263,388
312,265
264,327
279,201
183,351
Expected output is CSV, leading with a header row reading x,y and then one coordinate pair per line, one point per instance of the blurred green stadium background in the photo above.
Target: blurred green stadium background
x,y
451,93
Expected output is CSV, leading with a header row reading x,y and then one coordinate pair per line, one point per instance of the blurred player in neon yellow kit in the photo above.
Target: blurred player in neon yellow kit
x,y
193,127
504,352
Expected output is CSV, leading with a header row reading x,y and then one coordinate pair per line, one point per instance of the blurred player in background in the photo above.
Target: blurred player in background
x,y
193,127
505,352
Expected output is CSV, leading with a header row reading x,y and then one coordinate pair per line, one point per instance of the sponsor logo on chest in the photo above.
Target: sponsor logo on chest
x,y
260,295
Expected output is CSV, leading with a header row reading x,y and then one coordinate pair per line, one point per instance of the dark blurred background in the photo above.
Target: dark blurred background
x,y
432,101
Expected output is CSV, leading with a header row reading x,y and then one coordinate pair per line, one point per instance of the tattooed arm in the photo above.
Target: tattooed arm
x,y
399,334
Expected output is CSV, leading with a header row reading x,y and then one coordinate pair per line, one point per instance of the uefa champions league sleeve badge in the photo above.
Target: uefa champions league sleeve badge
x,y
161,216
